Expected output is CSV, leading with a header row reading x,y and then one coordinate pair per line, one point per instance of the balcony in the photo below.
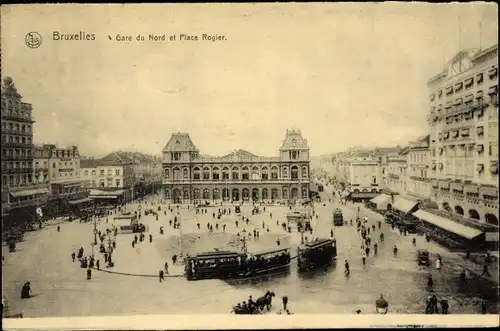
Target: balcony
x,y
393,176
17,144
18,118
18,132
18,171
17,158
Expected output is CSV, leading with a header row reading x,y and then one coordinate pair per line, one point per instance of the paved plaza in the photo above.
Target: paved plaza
x,y
61,289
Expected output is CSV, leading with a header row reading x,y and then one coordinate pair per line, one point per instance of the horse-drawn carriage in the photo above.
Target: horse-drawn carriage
x,y
254,308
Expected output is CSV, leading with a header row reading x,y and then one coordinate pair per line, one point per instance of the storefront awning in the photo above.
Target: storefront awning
x,y
381,201
448,225
363,195
76,202
95,193
404,205
104,197
25,193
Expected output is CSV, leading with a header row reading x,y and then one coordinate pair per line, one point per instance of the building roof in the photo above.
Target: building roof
x,y
89,163
294,141
239,154
115,158
180,142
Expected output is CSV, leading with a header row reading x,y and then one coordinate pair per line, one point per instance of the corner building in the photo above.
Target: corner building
x,y
237,176
464,135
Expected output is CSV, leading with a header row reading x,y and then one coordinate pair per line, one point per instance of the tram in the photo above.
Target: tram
x,y
316,254
338,218
232,265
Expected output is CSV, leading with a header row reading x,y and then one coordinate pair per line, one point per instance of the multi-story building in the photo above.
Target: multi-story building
x,y
397,172
463,122
239,175
110,178
20,195
60,169
418,160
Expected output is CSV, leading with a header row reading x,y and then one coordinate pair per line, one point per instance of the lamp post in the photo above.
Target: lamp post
x,y
180,258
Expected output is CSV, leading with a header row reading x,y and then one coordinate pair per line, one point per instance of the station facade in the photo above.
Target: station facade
x,y
237,176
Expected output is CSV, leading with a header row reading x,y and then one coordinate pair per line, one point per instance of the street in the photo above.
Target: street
x,y
61,289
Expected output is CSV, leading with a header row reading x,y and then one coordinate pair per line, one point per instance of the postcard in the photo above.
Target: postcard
x,y
267,165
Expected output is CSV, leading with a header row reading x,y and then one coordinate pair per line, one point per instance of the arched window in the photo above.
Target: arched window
x,y
285,172
295,172
185,173
274,173
225,173
215,174
304,172
245,175
206,173
265,174
167,173
255,173
196,173
235,175
177,173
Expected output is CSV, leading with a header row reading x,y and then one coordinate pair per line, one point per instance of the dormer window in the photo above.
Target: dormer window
x,y
177,142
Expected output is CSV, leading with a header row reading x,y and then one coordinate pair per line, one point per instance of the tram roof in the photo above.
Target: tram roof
x,y
318,242
219,254
271,251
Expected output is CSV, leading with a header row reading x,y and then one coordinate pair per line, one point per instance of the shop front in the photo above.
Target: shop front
x,y
451,234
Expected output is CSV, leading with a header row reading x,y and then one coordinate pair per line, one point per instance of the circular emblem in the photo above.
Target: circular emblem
x,y
33,40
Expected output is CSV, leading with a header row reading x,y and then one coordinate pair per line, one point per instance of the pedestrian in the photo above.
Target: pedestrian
x,y
133,244
430,282
58,228
98,265
285,302
483,306
174,258
89,274
224,227
363,258
166,268
161,276
444,306
114,244
331,233
278,242
106,258
73,255
485,270
150,238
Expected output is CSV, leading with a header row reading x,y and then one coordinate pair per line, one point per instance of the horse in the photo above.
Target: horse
x,y
265,301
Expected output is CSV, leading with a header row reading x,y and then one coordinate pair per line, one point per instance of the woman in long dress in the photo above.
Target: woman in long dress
x,y
438,264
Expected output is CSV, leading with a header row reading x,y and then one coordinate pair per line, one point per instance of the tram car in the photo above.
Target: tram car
x,y
338,218
233,265
316,254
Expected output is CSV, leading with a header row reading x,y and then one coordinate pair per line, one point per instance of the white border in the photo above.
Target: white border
x,y
213,322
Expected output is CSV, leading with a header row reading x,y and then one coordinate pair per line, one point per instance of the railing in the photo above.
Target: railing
x,y
17,144
17,157
17,170
20,132
12,117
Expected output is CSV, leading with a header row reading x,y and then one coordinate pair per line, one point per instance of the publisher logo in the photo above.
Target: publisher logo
x,y
33,40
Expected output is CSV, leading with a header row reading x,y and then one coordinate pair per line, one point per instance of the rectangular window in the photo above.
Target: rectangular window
x,y
118,183
117,172
196,176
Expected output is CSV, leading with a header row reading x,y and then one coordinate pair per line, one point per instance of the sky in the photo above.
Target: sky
x,y
344,74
